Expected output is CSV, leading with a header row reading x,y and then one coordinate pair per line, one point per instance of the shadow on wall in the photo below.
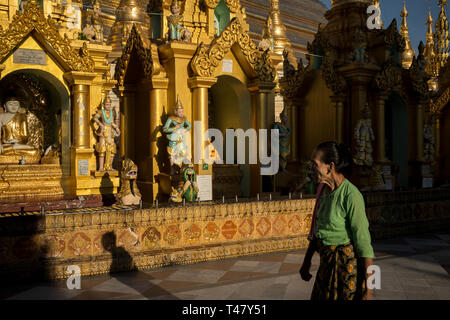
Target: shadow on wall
x,y
124,270
106,190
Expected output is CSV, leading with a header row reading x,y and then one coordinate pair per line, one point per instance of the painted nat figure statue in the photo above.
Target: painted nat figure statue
x,y
176,128
363,138
106,131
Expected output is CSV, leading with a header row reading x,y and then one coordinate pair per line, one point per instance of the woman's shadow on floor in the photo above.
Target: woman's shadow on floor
x,y
124,270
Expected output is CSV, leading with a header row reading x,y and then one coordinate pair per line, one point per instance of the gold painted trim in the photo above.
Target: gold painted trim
x,y
134,41
207,59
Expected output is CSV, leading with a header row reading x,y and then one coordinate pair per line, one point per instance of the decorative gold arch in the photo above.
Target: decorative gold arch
x,y
134,41
233,5
32,20
207,59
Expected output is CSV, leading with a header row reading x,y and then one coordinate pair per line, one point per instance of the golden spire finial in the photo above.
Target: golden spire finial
x,y
431,64
408,54
441,34
278,29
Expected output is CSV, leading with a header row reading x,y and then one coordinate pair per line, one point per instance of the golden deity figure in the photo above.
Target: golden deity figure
x,y
21,134
176,29
176,128
363,138
106,131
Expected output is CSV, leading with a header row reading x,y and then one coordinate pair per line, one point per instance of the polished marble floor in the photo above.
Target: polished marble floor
x,y
413,267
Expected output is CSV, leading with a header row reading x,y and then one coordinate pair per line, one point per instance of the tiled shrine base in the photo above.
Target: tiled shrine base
x,y
98,242
125,239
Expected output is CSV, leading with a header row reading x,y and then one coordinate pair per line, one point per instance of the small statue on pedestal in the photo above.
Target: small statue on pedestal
x,y
364,136
176,128
285,131
187,188
107,130
176,30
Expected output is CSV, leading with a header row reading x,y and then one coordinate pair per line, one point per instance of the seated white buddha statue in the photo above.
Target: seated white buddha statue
x,y
16,136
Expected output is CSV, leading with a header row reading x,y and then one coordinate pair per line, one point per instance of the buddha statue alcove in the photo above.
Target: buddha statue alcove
x,y
21,134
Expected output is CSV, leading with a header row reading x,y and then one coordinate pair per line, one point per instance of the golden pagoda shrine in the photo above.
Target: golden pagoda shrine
x,y
105,105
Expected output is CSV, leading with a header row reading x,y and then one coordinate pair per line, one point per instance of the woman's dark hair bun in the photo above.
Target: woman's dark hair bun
x,y
338,153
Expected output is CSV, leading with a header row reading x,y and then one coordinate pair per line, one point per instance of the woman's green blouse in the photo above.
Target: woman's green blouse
x,y
342,218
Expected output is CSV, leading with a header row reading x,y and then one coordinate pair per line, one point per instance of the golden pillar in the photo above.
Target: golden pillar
x,y
293,114
158,101
263,117
81,151
199,87
127,116
437,135
339,101
122,122
380,129
420,115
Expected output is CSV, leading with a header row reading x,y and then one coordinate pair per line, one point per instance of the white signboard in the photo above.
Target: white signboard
x,y
227,65
427,183
388,184
204,183
30,56
387,170
83,167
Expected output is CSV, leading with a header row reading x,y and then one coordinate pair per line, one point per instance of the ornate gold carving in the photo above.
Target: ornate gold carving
x,y
24,183
294,75
335,81
33,19
437,105
206,59
390,78
134,41
233,5
211,4
441,35
392,36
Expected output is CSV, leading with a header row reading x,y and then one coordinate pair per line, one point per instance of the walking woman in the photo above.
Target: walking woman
x,y
339,230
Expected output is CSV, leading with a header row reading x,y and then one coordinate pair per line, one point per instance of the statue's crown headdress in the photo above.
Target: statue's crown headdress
x,y
175,3
106,100
178,105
